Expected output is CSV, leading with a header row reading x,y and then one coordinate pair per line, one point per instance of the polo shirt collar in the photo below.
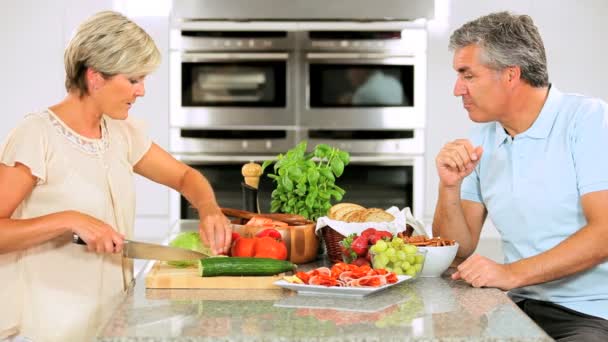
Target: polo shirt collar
x,y
544,122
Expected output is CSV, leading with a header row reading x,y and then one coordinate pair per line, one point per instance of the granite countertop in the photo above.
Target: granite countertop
x,y
423,309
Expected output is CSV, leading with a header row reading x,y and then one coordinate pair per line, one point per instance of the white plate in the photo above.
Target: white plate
x,y
336,291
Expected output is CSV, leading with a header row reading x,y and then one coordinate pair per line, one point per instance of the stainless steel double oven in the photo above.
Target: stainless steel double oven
x,y
248,91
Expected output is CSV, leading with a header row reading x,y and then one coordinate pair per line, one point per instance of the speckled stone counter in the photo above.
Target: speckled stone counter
x,y
423,309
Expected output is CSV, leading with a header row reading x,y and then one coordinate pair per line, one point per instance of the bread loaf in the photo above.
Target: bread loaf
x,y
350,212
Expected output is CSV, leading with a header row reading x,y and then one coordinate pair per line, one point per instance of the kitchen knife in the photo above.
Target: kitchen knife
x,y
144,250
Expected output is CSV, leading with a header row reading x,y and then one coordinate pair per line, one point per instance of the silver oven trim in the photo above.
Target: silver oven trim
x,y
223,117
399,147
233,56
353,57
197,147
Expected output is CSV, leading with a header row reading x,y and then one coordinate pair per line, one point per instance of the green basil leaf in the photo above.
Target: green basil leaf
x,y
339,189
327,174
324,195
287,183
295,172
274,206
344,157
266,163
337,196
337,166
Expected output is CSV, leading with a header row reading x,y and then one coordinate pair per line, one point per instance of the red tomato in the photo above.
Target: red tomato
x,y
267,247
243,247
273,233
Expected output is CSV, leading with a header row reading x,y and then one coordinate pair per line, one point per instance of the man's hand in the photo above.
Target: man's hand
x,y
215,229
456,160
480,271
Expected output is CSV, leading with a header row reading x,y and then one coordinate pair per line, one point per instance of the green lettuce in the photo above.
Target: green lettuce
x,y
187,240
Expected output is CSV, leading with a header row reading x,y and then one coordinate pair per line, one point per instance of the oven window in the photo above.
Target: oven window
x,y
243,84
375,186
226,182
360,85
369,185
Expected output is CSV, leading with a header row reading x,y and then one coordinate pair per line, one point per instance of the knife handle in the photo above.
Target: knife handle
x,y
77,240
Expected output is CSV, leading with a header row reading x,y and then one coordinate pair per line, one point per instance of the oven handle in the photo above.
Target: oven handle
x,y
219,159
378,160
334,56
201,57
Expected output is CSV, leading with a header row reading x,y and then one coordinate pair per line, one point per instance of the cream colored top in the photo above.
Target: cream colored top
x,y
58,291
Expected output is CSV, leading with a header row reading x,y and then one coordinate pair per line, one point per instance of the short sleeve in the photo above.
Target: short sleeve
x,y
27,144
139,141
589,146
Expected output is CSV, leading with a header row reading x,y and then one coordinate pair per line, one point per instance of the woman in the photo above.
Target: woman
x,y
69,170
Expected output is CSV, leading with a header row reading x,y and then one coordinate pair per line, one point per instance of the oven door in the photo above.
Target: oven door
x,y
231,89
224,174
372,181
363,90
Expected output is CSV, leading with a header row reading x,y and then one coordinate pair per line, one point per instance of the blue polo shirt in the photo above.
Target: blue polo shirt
x,y
532,185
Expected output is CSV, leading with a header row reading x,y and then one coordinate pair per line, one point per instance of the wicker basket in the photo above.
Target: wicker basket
x,y
332,243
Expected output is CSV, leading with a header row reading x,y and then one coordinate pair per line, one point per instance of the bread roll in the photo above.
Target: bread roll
x,y
340,210
377,215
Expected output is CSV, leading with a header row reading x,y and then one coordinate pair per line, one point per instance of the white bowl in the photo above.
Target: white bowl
x,y
438,259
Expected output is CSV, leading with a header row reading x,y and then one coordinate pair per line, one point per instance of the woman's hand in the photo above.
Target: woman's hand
x,y
99,236
457,160
215,228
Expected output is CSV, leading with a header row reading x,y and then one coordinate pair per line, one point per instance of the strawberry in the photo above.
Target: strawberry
x,y
368,232
360,245
361,261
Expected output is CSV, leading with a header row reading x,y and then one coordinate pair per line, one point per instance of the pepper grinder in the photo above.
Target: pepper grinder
x,y
251,173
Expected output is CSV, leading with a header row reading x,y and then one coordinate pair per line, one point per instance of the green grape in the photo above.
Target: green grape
x,y
390,252
411,271
374,249
410,249
418,268
381,245
405,265
397,242
411,259
390,269
398,271
401,255
382,258
419,259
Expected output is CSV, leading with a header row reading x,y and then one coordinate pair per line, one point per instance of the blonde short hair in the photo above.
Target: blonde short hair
x,y
111,44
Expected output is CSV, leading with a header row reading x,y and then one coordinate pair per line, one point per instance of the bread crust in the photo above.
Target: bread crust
x,y
344,210
351,212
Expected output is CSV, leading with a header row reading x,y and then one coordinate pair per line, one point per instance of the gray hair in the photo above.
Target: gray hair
x,y
506,40
111,44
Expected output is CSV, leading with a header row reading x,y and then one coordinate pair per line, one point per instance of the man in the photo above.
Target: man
x,y
538,167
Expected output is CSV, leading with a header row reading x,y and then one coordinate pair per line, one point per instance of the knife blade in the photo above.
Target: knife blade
x,y
145,250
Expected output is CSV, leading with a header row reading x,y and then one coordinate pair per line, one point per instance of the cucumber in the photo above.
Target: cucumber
x,y
241,266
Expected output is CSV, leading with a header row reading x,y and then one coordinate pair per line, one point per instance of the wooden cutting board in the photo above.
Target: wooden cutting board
x,y
163,276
